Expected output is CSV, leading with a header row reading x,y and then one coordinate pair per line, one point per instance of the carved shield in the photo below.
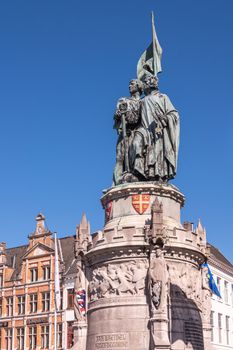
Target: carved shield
x,y
140,202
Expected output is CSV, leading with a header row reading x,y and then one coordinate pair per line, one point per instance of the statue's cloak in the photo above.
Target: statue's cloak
x,y
164,134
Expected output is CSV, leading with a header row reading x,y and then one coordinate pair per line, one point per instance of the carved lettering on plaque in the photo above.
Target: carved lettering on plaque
x,y
114,341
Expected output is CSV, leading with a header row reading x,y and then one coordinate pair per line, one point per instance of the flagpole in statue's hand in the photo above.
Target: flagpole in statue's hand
x,y
150,60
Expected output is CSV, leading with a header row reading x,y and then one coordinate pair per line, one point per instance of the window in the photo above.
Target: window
x,y
59,335
219,284
33,303
21,304
45,301
46,273
232,294
9,306
8,338
1,280
226,291
227,329
61,295
34,275
70,335
70,298
20,338
45,337
0,308
32,337
220,328
212,325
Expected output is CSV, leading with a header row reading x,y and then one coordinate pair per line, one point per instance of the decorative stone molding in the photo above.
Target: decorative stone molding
x,y
152,188
117,301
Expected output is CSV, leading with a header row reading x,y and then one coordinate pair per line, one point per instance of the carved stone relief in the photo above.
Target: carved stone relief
x,y
118,279
185,280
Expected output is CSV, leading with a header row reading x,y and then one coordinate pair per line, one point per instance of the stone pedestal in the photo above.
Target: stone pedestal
x,y
137,216
160,331
80,335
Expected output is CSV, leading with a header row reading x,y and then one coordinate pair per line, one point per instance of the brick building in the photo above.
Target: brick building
x,y
27,292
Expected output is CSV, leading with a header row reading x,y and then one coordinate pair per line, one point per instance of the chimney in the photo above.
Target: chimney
x,y
188,226
3,253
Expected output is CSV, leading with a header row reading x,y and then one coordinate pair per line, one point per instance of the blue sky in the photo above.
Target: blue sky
x,y
63,65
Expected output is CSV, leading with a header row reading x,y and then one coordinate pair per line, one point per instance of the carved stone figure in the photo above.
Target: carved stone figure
x,y
185,281
101,285
106,283
80,291
139,271
158,281
125,280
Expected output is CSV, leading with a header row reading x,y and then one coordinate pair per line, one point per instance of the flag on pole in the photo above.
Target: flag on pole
x,y
57,278
212,284
81,299
150,61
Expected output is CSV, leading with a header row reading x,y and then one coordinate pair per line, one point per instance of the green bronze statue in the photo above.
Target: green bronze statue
x,y
148,126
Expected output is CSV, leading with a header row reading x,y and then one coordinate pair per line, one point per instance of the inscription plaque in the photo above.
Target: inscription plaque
x,y
113,341
140,300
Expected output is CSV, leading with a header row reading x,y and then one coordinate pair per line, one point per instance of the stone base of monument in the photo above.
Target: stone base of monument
x,y
130,205
207,336
80,335
141,219
118,323
160,332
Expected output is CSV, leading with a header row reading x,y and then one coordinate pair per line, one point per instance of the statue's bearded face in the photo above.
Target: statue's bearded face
x,y
150,82
133,87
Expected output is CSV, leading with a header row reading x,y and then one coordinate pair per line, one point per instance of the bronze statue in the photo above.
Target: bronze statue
x,y
133,137
148,128
161,120
148,143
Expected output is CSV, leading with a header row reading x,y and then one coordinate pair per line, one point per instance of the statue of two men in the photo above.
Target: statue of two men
x,y
148,128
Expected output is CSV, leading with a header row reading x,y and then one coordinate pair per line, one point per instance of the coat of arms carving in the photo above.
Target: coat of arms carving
x,y
140,202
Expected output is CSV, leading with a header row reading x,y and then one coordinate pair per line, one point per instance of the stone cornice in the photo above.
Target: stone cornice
x,y
132,250
220,265
152,188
